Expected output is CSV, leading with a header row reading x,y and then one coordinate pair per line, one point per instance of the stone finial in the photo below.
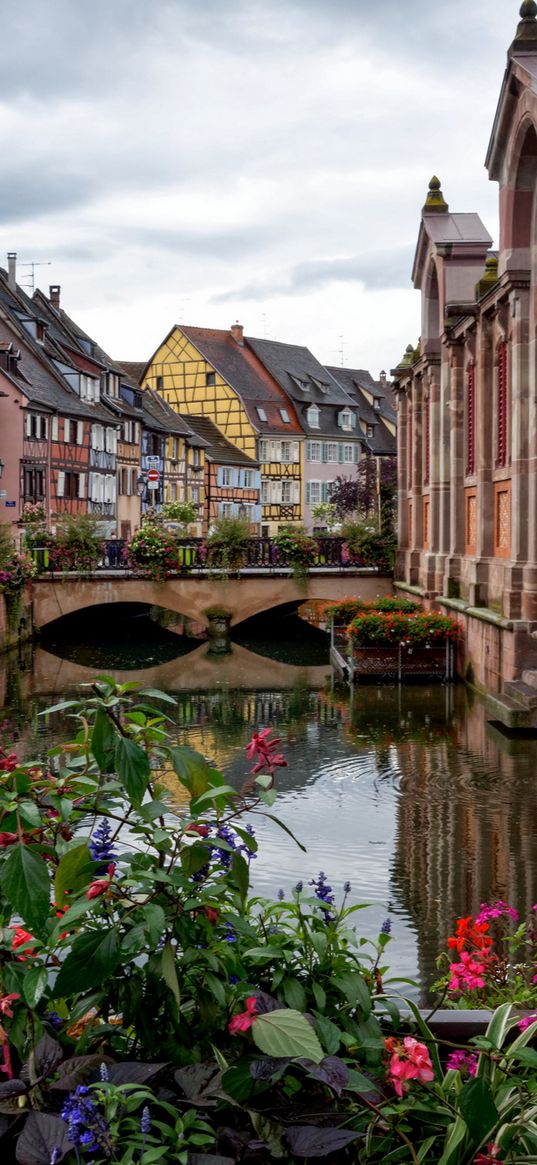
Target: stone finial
x,y
488,278
408,358
435,202
526,34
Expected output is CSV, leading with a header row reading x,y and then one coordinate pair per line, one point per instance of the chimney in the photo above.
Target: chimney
x,y
54,296
382,377
236,331
12,270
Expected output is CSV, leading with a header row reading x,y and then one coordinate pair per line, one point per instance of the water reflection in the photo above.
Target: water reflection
x,y
406,792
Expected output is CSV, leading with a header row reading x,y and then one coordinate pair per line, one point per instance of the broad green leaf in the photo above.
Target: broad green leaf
x,y
74,871
286,1033
153,921
213,796
192,770
29,812
478,1109
34,985
424,1149
355,990
169,972
76,911
60,707
156,695
92,959
132,766
320,996
26,885
215,986
240,874
454,1140
247,838
194,857
294,994
499,1025
329,1034
103,741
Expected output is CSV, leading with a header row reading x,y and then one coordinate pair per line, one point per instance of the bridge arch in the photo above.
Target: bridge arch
x,y
194,596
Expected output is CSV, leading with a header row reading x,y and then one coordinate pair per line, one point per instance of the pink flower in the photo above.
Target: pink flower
x,y
245,1019
527,1021
261,747
102,884
495,910
468,975
5,1004
462,1061
408,1061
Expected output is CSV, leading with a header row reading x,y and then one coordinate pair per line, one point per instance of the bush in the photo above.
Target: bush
x,y
371,628
369,546
296,548
76,544
227,543
154,551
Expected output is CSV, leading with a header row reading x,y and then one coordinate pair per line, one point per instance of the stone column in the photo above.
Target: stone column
x,y
453,387
218,624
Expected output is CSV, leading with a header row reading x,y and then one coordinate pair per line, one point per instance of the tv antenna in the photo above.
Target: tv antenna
x,y
31,273
341,350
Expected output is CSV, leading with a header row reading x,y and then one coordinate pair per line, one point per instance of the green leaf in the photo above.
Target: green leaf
x,y
103,741
320,996
456,1135
212,796
286,1033
60,707
92,959
156,695
286,830
329,1034
478,1109
132,766
192,770
34,985
26,885
355,990
215,986
240,874
194,857
526,1055
74,871
294,994
169,972
499,1025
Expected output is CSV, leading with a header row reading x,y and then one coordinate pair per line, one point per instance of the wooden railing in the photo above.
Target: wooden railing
x,y
194,555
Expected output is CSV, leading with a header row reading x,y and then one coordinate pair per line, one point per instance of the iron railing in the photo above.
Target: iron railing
x,y
194,555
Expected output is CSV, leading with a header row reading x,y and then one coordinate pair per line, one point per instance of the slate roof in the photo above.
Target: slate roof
x,y
159,415
134,369
383,443
306,381
219,450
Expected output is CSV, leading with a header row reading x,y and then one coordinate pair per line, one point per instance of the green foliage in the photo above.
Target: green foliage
x,y
182,512
75,545
325,514
297,549
368,545
227,542
372,627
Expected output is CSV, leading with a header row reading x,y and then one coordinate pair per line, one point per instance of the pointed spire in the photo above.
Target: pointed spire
x,y
526,34
435,202
489,276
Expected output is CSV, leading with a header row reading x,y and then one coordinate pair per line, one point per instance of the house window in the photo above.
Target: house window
x,y
426,530
313,416
196,459
345,419
314,451
70,484
313,492
263,450
249,479
370,431
501,410
331,451
286,492
36,426
285,416
159,383
261,414
470,421
285,454
376,402
210,378
226,509
264,492
227,477
33,483
348,454
410,519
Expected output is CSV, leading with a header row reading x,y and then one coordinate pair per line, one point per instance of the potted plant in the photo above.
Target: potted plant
x,y
153,550
227,544
297,549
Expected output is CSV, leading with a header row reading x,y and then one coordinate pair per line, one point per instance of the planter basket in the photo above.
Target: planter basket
x,y
404,662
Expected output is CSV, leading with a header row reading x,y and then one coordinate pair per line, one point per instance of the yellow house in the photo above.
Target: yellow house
x,y
213,373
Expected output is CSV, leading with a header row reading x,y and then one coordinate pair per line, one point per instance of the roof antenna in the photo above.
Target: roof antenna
x,y
31,274
341,350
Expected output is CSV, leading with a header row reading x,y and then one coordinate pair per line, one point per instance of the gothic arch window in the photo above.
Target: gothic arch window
x,y
521,218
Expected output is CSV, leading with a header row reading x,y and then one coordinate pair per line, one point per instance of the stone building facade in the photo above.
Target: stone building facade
x,y
467,406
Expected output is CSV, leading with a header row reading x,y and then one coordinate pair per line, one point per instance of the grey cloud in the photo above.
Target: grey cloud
x,y
24,193
387,269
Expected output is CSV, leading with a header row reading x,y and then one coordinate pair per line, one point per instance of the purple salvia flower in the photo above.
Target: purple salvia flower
x,y
101,847
145,1122
386,926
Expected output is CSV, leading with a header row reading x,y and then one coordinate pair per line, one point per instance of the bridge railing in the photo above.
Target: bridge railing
x,y
193,555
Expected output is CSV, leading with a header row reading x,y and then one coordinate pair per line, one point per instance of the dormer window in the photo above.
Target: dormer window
x,y
113,384
346,419
313,414
376,402
40,332
285,416
370,431
261,413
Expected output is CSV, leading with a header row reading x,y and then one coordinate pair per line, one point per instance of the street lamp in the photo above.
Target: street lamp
x,y
141,482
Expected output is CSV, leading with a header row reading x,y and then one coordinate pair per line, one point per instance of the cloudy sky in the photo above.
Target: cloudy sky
x,y
203,161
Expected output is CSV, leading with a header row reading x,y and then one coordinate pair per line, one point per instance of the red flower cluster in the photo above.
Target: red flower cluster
x,y
409,1060
473,943
261,747
102,884
8,762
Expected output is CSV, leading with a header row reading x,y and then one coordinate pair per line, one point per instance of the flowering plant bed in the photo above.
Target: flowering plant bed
x,y
151,1011
384,628
154,551
492,958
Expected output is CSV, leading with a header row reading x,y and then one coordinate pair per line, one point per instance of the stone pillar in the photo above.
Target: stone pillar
x,y
453,388
218,624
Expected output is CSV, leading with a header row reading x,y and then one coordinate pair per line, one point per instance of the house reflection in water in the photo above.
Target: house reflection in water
x,y
465,831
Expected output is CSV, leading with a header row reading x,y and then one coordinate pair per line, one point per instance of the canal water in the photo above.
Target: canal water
x,y
408,793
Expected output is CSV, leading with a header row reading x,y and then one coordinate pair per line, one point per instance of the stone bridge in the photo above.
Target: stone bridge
x,y
198,598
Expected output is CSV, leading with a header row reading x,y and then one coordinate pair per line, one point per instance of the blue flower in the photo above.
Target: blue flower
x,y
145,1122
281,895
324,893
101,848
85,1124
347,888
299,887
386,926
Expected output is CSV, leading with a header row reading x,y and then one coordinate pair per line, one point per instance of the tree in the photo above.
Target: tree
x,y
375,478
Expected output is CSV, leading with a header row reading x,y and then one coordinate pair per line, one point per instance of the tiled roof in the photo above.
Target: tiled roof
x,y
219,449
239,366
159,415
133,368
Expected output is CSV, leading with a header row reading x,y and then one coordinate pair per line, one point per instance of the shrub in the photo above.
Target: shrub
x,y
153,550
227,543
76,544
370,627
297,549
369,546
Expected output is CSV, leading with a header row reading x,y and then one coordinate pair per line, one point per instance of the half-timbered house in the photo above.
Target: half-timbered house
x,y
232,479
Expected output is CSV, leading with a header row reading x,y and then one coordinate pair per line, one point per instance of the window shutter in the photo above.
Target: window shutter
x,y
220,477
66,429
340,453
28,425
79,432
82,485
61,484
353,420
235,478
295,452
308,492
356,453
295,492
470,420
54,429
325,451
324,491
501,416
308,450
